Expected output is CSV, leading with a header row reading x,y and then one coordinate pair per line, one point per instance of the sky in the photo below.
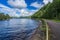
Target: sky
x,y
17,8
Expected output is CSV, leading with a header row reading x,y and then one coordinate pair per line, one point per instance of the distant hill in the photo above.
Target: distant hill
x,y
49,11
4,16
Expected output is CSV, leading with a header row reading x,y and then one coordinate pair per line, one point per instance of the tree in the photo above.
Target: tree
x,y
3,16
49,11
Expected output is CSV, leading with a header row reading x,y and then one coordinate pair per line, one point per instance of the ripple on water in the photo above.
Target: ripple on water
x,y
17,29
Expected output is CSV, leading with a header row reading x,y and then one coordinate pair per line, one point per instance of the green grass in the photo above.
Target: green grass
x,y
56,20
44,29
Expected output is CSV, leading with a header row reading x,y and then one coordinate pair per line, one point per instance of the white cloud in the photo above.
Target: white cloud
x,y
17,3
39,5
24,12
47,1
33,11
36,5
7,10
21,4
13,12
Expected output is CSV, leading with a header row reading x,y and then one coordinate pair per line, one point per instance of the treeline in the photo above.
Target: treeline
x,y
4,16
49,11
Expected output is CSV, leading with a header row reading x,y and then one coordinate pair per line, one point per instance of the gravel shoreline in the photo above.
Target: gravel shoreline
x,y
37,33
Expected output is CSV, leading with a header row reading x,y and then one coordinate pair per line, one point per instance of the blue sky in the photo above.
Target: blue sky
x,y
21,7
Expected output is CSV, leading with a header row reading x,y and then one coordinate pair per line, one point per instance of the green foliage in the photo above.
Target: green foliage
x,y
49,11
4,16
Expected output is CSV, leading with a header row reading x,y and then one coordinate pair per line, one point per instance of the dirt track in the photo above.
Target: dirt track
x,y
55,29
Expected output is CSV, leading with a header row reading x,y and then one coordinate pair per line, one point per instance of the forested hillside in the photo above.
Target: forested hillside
x,y
49,11
4,16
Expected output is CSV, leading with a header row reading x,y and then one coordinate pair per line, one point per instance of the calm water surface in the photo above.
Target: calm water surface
x,y
17,29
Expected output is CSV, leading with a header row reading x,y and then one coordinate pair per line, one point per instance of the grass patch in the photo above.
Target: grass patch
x,y
56,20
44,28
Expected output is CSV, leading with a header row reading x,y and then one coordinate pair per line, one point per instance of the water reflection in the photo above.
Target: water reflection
x,y
17,29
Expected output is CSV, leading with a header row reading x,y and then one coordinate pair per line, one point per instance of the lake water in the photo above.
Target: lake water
x,y
17,29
